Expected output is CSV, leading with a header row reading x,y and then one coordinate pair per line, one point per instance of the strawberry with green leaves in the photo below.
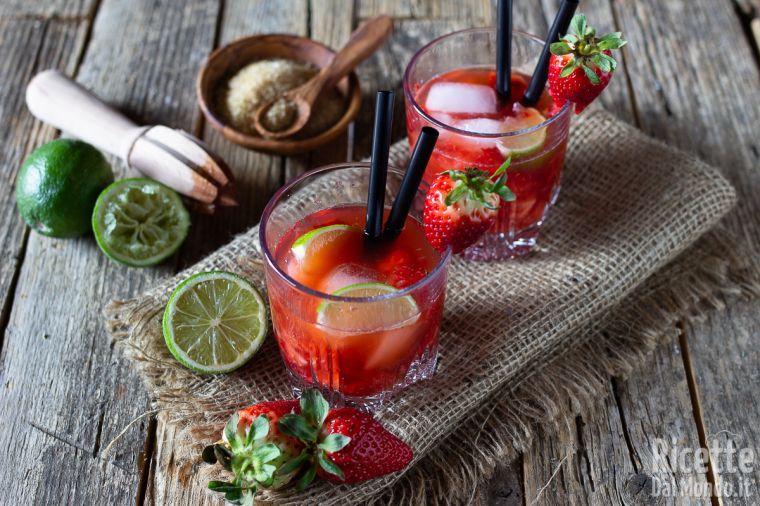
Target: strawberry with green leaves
x,y
462,205
581,64
273,444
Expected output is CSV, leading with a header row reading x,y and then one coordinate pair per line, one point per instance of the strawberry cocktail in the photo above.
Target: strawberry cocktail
x,y
352,317
450,85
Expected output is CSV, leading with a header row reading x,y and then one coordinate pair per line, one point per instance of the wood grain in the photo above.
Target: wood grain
x,y
68,392
695,103
258,176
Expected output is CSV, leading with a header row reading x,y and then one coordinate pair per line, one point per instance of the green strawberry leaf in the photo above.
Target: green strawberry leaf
x,y
266,453
258,430
307,478
234,496
329,466
578,24
298,427
334,442
591,74
231,432
502,168
560,48
265,474
570,67
292,464
570,38
455,194
602,63
314,407
506,194
222,486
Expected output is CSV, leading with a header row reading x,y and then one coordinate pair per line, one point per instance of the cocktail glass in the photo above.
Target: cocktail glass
x,y
350,358
537,153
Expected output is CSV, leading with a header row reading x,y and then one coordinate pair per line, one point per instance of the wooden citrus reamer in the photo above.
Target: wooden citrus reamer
x,y
172,157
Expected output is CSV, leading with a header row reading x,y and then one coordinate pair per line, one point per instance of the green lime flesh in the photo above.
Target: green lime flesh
x,y
139,222
367,316
57,187
214,322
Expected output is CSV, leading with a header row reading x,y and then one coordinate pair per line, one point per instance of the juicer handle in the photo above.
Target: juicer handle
x,y
56,99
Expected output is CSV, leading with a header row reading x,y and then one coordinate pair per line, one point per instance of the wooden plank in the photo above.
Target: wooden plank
x,y
68,393
258,176
724,354
705,108
30,46
62,10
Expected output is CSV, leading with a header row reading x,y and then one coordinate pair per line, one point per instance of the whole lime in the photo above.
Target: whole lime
x,y
58,185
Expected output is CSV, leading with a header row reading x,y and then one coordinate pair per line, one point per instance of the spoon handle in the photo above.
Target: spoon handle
x,y
363,42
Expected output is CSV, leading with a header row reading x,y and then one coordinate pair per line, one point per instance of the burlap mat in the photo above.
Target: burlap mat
x,y
582,307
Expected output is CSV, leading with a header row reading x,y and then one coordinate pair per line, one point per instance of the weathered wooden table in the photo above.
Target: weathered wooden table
x,y
690,77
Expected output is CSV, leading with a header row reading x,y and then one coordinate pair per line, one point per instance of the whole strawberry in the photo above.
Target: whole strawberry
x,y
462,205
581,65
372,451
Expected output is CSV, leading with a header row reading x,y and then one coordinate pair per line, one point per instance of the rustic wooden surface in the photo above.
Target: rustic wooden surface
x,y
689,76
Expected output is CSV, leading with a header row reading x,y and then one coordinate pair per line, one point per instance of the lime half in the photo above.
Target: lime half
x,y
525,144
214,322
368,316
139,222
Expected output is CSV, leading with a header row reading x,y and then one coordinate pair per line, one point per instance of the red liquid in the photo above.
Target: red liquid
x,y
533,174
367,356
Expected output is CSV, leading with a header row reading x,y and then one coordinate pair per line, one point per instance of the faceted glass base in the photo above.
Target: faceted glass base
x,y
421,369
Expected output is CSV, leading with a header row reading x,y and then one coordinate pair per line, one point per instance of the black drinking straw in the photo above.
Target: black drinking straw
x,y
408,189
560,25
504,48
381,143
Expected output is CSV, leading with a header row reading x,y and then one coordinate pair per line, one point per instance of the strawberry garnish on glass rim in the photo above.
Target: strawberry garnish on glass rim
x,y
272,444
462,205
581,64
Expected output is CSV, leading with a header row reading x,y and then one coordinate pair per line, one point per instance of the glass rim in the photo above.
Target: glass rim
x,y
564,110
271,262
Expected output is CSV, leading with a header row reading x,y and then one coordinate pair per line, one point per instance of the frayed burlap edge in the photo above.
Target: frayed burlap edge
x,y
693,285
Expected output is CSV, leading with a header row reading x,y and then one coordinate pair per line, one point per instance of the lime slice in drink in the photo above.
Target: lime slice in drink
x,y
139,222
368,316
214,322
318,250
525,144
309,244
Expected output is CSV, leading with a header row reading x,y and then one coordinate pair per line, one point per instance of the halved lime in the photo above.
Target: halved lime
x,y
525,144
367,316
139,222
214,322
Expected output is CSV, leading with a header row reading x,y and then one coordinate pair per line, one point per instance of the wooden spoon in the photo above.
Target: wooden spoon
x,y
363,42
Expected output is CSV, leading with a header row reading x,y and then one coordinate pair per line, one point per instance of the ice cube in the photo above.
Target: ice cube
x,y
461,98
347,274
480,125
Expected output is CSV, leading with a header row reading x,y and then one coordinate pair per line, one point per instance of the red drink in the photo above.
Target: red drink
x,y
380,329
478,129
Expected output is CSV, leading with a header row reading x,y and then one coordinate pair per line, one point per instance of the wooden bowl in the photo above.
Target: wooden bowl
x,y
227,60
